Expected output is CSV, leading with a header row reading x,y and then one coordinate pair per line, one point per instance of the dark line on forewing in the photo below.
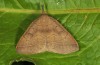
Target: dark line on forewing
x,y
46,47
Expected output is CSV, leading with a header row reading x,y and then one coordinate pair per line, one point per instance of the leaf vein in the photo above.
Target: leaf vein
x,y
82,24
88,29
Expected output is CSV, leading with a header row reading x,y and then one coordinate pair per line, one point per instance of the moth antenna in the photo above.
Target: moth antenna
x,y
42,7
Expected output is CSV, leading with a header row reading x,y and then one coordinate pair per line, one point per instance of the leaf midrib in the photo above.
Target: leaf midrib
x,y
27,11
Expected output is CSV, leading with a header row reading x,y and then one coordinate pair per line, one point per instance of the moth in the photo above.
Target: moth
x,y
46,34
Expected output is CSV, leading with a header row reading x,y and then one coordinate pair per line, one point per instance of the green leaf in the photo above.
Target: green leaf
x,y
80,17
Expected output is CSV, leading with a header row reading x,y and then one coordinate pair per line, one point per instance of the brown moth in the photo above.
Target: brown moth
x,y
46,34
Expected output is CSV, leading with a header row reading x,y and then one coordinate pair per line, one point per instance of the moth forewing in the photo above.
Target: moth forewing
x,y
46,34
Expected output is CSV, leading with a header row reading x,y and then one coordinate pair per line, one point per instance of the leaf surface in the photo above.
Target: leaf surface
x,y
80,17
